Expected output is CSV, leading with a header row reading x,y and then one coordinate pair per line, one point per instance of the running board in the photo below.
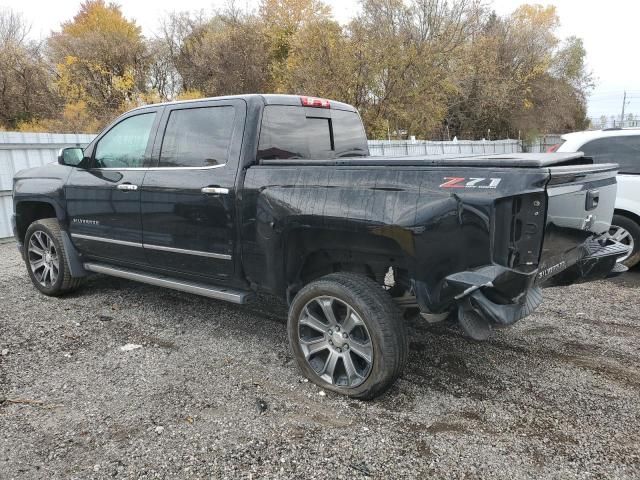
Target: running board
x,y
219,293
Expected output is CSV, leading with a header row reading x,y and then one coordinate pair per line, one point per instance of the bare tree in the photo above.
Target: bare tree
x,y
25,78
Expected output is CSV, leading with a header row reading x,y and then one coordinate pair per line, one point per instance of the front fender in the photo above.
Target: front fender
x,y
42,184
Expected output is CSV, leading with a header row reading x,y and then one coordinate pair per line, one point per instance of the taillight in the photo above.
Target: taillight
x,y
315,102
553,148
518,230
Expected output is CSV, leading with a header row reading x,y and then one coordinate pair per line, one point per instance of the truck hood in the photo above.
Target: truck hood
x,y
51,170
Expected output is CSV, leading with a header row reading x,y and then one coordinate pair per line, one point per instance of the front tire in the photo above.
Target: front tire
x,y
625,230
46,259
347,335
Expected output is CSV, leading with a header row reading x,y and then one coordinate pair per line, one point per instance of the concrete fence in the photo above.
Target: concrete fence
x,y
24,150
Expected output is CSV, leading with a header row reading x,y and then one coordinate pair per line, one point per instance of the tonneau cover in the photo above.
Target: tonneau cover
x,y
519,160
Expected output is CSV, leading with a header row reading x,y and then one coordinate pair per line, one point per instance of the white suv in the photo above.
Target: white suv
x,y
621,146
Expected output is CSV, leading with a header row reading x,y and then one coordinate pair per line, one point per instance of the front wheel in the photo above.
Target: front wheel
x,y
347,335
46,259
626,231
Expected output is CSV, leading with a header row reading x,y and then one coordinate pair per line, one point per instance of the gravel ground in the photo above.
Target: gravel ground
x,y
213,391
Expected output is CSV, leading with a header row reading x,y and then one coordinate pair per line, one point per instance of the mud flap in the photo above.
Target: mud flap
x,y
76,268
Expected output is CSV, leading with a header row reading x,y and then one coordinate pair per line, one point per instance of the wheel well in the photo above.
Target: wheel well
x,y
324,262
29,212
628,214
314,256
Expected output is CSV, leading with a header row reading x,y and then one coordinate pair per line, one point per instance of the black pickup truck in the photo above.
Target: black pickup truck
x,y
229,196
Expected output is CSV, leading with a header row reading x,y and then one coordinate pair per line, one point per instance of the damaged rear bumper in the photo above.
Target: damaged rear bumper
x,y
493,297
600,261
496,296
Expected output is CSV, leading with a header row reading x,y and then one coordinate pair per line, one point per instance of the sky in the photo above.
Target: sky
x,y
609,30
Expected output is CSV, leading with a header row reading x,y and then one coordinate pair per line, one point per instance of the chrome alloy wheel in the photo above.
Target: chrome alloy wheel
x,y
43,259
621,235
335,341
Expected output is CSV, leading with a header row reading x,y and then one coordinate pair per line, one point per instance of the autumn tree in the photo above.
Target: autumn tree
x,y
100,59
515,77
402,60
283,21
222,55
429,68
318,55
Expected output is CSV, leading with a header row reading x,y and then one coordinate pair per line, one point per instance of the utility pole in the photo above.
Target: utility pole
x,y
624,101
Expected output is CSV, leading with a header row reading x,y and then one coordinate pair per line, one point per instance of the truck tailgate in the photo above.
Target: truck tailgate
x,y
580,204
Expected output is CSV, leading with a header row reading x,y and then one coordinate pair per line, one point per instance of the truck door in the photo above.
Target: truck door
x,y
188,197
103,200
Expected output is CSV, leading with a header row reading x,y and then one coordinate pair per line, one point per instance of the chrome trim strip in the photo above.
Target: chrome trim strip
x,y
208,167
200,253
106,240
219,293
215,190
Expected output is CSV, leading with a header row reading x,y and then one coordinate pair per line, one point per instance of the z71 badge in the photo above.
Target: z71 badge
x,y
472,182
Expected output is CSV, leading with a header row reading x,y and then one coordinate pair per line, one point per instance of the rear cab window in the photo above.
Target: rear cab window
x,y
197,137
297,132
623,150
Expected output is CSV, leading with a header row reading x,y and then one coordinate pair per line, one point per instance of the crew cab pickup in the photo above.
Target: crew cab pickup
x,y
226,197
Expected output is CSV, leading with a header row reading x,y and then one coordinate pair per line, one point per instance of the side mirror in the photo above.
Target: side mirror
x,y
70,156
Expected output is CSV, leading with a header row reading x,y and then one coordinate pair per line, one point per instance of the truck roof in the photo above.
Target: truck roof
x,y
266,99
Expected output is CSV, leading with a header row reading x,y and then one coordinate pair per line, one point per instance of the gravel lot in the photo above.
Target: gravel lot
x,y
214,392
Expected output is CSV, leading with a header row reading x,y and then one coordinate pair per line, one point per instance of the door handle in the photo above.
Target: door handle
x,y
215,190
127,187
593,198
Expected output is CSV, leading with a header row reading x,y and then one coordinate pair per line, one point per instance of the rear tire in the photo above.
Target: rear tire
x,y
46,258
620,225
347,335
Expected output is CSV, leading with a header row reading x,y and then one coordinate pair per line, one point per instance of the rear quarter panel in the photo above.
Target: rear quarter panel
x,y
406,213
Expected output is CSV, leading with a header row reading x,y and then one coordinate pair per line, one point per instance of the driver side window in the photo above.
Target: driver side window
x,y
124,145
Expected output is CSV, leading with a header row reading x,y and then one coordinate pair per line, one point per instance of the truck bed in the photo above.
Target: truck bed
x,y
501,160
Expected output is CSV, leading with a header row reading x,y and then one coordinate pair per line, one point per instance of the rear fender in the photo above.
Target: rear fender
x,y
313,252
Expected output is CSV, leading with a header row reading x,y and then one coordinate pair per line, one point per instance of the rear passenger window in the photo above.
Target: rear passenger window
x,y
294,132
623,150
197,137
